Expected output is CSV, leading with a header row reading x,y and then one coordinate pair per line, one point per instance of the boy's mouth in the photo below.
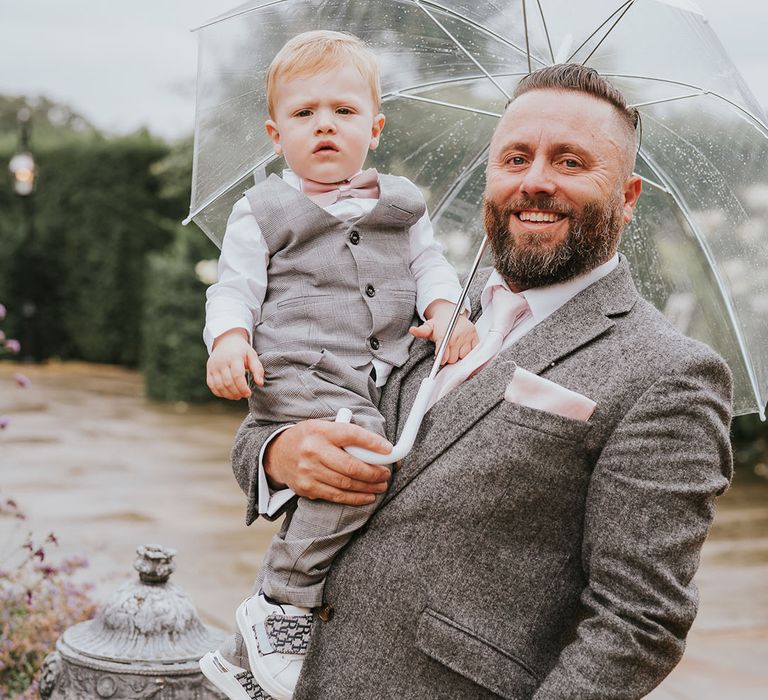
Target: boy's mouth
x,y
325,147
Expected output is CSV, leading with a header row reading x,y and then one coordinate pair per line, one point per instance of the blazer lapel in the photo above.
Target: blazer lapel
x,y
576,323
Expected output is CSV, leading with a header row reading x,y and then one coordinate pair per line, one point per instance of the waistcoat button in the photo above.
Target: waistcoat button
x,y
370,291
325,613
374,343
354,238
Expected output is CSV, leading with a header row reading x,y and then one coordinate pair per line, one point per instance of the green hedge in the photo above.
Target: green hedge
x,y
174,357
83,263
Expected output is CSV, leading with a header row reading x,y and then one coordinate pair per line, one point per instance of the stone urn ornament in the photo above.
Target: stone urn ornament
x,y
144,643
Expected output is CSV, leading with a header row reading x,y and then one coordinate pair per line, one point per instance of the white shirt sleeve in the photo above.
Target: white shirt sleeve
x,y
434,275
271,501
235,300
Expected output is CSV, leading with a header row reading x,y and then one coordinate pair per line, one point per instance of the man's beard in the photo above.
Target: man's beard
x,y
525,260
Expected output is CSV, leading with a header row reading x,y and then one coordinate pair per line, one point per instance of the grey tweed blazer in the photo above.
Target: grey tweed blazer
x,y
520,554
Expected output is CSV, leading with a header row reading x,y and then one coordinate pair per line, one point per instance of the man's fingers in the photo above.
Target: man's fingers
x,y
347,498
345,434
342,482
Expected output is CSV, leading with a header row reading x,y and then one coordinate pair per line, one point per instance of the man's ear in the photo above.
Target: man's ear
x,y
376,129
632,189
273,134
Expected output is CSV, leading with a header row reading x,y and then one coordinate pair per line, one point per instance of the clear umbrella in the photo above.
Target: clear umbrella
x,y
697,245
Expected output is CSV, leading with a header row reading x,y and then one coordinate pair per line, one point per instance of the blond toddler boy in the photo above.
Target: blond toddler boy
x,y
319,277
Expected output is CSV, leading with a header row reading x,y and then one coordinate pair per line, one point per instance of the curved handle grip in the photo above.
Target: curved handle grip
x,y
410,429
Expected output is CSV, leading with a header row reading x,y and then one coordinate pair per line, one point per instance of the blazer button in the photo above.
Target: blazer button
x,y
325,613
370,291
374,343
354,238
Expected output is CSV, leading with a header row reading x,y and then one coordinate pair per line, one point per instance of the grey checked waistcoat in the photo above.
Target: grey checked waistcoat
x,y
345,287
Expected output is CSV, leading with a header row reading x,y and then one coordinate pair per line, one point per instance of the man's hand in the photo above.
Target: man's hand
x,y
310,459
463,338
232,354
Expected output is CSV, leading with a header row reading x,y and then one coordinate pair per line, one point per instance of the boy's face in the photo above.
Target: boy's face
x,y
325,123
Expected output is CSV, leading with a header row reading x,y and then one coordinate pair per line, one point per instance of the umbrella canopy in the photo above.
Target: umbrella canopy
x,y
697,245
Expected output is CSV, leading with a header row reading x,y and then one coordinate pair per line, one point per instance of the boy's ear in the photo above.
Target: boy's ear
x,y
376,129
273,134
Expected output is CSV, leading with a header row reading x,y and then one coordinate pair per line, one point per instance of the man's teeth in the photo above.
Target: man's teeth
x,y
539,216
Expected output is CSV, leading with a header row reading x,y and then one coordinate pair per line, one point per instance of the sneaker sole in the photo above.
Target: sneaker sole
x,y
221,680
260,673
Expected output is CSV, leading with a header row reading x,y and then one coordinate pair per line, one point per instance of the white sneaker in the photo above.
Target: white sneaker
x,y
276,637
235,682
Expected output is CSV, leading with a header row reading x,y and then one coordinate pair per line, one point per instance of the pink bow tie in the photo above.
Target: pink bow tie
x,y
363,186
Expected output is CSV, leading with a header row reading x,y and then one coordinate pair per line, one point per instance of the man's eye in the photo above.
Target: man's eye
x,y
515,160
571,163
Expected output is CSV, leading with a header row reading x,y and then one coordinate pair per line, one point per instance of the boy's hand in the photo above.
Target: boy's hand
x,y
232,354
464,336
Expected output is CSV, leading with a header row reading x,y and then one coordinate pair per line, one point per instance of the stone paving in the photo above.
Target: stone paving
x,y
89,459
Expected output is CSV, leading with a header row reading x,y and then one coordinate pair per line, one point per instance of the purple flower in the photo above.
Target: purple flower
x,y
5,421
13,345
2,312
22,380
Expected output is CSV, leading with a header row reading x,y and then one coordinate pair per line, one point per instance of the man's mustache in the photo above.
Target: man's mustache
x,y
528,203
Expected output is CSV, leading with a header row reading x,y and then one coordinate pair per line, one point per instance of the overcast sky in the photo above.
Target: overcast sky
x,y
131,64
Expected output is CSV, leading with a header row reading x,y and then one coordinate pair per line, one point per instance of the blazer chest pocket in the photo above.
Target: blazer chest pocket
x,y
473,657
550,424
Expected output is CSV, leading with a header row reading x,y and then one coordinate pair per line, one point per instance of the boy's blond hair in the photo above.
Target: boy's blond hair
x,y
318,51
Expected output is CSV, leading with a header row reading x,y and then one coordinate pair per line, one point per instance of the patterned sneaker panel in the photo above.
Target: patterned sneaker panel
x,y
285,634
251,687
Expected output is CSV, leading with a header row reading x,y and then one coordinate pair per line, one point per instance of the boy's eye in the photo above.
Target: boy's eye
x,y
343,110
303,113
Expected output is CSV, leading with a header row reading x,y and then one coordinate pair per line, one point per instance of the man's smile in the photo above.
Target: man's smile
x,y
539,216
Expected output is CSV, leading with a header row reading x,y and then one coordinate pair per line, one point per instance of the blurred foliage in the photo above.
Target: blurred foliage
x,y
75,251
54,123
173,354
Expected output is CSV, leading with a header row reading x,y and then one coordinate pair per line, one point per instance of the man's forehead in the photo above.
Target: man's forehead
x,y
559,115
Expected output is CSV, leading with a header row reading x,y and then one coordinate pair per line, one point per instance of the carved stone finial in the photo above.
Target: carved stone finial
x,y
154,563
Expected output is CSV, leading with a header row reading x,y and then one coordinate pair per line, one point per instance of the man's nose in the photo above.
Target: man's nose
x,y
539,180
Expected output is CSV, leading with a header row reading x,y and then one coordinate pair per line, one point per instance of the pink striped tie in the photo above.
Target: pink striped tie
x,y
506,308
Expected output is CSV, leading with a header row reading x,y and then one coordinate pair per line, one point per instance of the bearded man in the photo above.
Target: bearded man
x,y
541,539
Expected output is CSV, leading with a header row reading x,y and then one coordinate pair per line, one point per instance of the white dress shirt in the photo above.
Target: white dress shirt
x,y
542,301
235,300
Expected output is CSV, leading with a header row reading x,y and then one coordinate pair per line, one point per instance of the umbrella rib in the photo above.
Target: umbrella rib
x,y
448,197
462,47
475,25
759,122
248,10
652,183
546,31
440,103
605,36
608,19
525,29
663,100
729,308
266,160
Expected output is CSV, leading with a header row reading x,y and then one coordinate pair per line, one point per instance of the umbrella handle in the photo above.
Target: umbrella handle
x,y
407,437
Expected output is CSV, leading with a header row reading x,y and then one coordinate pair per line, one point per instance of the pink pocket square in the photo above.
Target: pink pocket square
x,y
531,390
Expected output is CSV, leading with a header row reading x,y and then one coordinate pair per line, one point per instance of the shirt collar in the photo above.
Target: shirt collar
x,y
544,301
292,179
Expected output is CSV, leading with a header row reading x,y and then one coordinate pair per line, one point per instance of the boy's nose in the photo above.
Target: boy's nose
x,y
324,124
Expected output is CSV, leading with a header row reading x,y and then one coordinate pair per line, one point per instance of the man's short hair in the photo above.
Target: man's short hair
x,y
321,50
573,76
